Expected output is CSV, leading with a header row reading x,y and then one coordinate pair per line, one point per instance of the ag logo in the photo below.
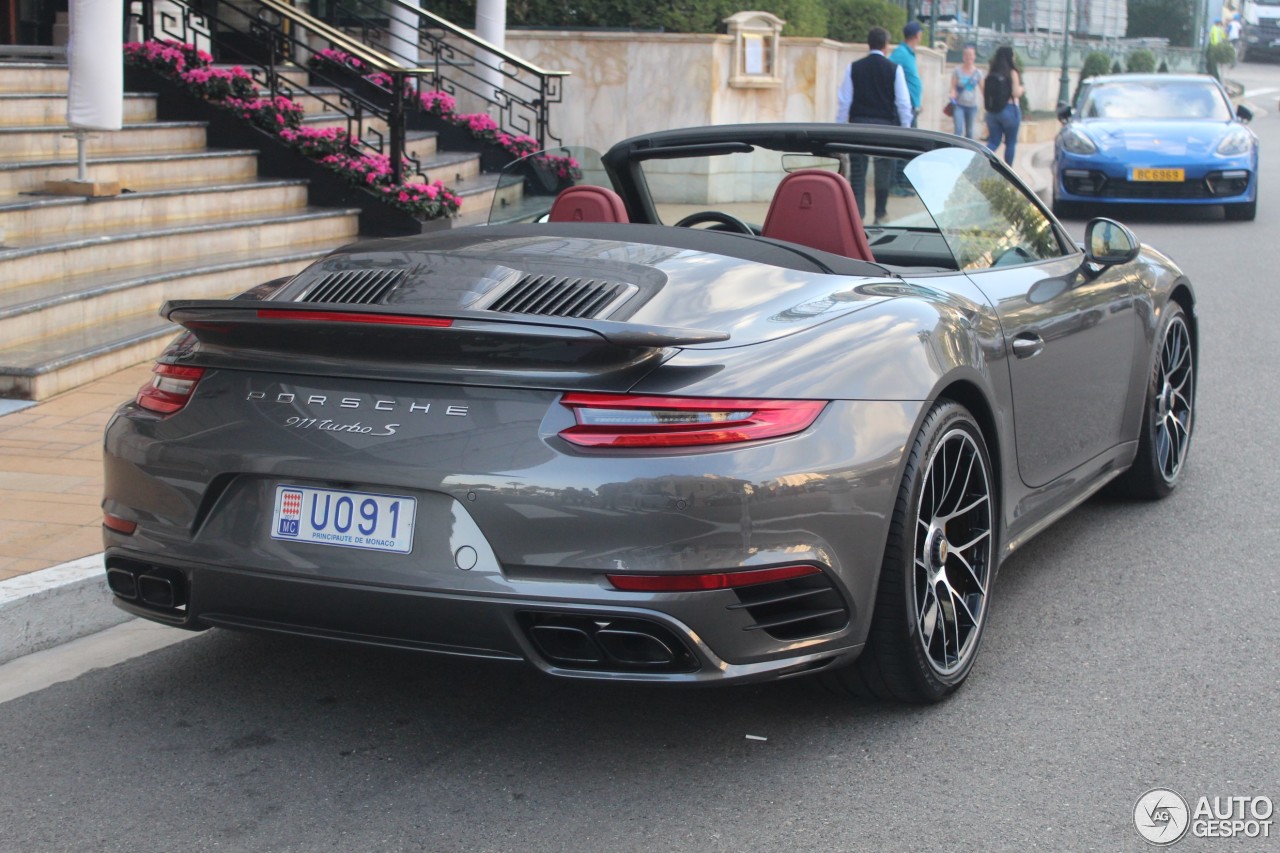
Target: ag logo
x,y
1161,816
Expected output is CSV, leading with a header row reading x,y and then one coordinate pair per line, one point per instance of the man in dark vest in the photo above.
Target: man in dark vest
x,y
873,92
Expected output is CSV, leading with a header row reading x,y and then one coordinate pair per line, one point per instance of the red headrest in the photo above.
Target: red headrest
x,y
816,208
588,204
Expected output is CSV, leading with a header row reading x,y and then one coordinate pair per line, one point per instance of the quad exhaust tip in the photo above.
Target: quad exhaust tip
x,y
607,643
155,586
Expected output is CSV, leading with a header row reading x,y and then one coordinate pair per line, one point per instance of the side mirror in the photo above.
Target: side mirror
x,y
1244,113
1064,112
1108,243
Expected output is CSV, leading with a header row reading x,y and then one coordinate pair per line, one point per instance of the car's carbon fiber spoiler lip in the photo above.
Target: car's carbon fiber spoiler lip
x,y
187,311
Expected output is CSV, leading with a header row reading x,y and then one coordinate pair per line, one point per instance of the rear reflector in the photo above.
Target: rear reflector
x,y
118,524
169,389
623,420
355,317
710,580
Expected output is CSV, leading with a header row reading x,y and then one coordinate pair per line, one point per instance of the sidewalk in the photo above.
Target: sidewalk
x,y
52,588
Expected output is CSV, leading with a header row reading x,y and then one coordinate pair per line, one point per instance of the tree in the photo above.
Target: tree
x,y
1170,19
1095,64
849,20
1141,61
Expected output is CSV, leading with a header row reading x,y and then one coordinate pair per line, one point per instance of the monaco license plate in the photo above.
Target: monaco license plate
x,y
1157,175
347,519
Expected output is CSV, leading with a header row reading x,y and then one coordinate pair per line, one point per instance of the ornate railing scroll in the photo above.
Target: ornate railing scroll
x,y
520,93
270,39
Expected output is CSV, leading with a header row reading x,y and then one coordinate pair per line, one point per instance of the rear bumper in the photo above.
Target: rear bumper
x,y
500,629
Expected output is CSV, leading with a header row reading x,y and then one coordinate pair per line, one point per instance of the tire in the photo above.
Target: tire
x,y
1168,416
920,648
1245,212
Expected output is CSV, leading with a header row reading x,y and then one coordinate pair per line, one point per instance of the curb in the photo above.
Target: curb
x,y
55,606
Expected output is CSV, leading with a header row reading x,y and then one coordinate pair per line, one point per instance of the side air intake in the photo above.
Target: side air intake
x,y
354,287
561,296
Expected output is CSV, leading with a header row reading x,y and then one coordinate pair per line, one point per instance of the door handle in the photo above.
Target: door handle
x,y
1027,345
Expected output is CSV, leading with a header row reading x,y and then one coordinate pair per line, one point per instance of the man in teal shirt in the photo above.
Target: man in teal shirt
x,y
904,55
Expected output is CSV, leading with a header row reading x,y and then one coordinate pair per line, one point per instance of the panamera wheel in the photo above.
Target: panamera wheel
x,y
935,582
1169,414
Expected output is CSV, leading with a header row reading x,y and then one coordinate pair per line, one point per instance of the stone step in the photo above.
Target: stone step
x,y
32,220
55,142
23,267
38,370
50,109
477,196
33,77
37,312
138,172
452,167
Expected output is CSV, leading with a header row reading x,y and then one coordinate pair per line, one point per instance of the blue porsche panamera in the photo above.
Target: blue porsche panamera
x,y
1167,139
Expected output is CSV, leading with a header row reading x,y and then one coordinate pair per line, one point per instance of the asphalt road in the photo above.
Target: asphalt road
x,y
1131,646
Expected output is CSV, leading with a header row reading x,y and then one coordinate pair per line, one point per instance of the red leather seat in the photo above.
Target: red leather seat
x,y
588,204
816,208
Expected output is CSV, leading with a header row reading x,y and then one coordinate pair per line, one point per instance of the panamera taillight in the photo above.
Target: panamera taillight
x,y
170,388
625,420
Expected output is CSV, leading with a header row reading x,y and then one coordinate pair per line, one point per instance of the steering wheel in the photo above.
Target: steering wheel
x,y
715,216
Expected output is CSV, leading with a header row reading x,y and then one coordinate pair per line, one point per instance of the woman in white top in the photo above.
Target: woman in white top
x,y
966,92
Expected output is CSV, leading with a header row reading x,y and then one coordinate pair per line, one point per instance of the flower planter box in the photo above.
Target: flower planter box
x,y
276,159
451,137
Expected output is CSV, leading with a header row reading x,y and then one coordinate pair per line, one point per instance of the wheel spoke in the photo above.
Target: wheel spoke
x,y
972,574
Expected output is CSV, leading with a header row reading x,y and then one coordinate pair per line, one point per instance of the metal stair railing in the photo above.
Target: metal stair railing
x,y
267,37
460,62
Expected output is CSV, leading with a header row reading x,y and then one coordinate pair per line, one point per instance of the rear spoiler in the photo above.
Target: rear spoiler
x,y
199,314
405,341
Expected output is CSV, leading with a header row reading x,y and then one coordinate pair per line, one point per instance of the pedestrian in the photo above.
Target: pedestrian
x,y
966,92
1001,91
1234,29
874,91
904,55
1217,35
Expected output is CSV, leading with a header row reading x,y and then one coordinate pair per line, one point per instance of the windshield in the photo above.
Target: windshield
x,y
527,187
1174,99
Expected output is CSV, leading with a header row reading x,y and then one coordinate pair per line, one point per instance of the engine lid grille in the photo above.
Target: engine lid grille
x,y
354,287
563,296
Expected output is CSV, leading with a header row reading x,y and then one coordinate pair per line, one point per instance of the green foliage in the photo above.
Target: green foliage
x,y
1164,67
851,19
1171,19
1141,61
803,17
1218,55
1116,68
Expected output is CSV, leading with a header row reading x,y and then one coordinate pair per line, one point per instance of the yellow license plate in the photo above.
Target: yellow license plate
x,y
1157,175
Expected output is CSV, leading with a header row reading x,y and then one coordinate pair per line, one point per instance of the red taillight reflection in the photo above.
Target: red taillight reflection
x,y
118,524
355,317
169,389
623,420
708,580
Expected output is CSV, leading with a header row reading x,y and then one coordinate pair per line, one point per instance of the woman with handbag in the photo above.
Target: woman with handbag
x,y
966,92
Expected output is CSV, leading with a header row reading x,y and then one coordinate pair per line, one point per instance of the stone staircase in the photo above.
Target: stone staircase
x,y
81,280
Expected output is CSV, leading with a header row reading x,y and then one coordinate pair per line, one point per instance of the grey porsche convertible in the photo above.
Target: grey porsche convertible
x,y
677,414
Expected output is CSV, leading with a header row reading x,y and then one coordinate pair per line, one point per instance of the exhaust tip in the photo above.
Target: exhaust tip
x,y
607,643
123,583
158,591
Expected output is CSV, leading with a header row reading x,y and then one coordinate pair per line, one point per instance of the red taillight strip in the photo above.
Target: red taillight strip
x,y
118,524
169,389
709,580
604,420
355,317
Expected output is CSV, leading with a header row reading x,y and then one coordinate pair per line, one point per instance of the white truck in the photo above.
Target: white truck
x,y
1261,39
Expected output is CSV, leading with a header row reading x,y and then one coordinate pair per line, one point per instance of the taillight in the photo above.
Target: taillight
x,y
709,580
169,389
118,524
623,420
355,317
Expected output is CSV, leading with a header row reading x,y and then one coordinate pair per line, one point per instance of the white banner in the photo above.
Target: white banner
x,y
95,57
